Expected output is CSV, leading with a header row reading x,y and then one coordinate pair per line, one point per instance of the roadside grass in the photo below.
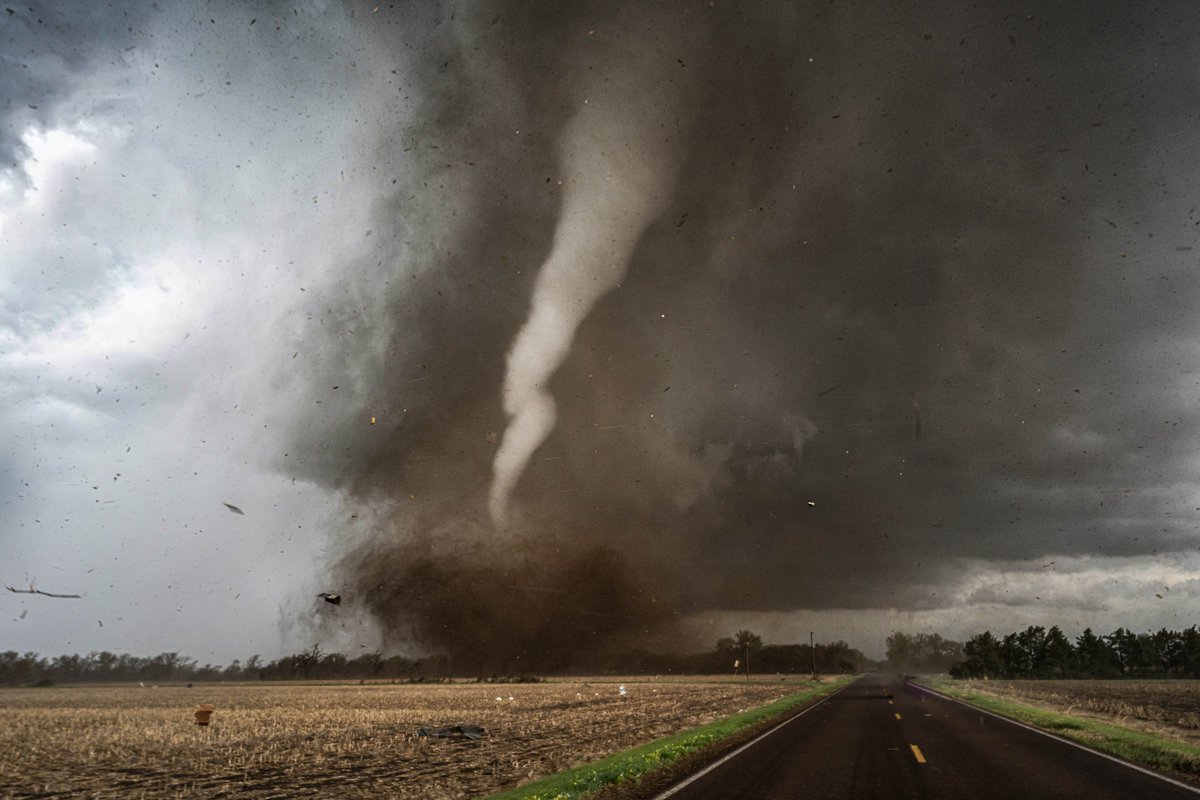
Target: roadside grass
x,y
631,765
1138,747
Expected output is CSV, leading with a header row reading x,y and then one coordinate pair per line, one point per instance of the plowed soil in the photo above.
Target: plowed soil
x,y
287,740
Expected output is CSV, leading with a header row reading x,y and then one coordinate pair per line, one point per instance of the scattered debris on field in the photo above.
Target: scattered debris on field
x,y
453,732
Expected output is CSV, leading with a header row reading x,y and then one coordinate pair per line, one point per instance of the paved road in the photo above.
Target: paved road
x,y
882,738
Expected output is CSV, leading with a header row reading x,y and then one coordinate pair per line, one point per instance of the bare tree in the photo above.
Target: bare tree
x,y
308,660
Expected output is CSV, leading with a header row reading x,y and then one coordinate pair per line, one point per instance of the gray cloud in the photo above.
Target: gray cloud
x,y
46,48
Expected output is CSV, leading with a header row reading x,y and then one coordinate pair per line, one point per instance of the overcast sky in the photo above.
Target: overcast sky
x,y
807,317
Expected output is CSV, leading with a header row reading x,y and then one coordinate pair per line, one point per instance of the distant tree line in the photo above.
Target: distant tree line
x,y
745,648
1040,653
1035,652
28,669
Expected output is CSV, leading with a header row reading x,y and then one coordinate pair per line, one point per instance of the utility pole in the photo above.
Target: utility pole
x,y
747,663
812,650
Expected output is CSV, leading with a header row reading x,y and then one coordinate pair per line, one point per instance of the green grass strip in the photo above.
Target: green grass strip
x,y
1138,747
632,764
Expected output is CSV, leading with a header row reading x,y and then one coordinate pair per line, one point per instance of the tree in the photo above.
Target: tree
x,y
307,661
16,669
1123,645
935,654
1012,657
253,667
367,665
747,640
167,667
740,647
900,650
1031,644
924,652
333,665
1093,657
68,668
103,666
982,653
1057,656
1189,645
838,656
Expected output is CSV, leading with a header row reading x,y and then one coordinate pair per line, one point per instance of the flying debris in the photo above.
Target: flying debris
x,y
32,590
336,599
234,509
203,712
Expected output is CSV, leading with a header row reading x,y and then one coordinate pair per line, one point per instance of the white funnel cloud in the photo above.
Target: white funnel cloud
x,y
618,170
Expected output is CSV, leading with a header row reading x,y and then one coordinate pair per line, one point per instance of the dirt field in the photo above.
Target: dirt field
x,y
288,740
1170,708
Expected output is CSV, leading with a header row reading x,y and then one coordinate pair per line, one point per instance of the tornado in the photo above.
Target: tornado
x,y
618,164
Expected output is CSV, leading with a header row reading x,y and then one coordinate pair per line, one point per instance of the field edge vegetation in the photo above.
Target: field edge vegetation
x,y
1176,759
639,762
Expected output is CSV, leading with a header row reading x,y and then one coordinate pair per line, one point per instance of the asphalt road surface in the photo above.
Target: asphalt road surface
x,y
883,738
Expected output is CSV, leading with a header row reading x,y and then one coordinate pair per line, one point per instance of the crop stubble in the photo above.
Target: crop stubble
x,y
289,740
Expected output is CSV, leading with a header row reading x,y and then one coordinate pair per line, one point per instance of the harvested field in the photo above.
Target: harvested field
x,y
287,740
1169,707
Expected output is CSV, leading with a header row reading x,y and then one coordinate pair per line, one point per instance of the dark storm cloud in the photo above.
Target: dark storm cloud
x,y
46,47
974,209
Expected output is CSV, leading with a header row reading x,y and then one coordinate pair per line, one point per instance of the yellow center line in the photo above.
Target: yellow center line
x,y
917,752
897,716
